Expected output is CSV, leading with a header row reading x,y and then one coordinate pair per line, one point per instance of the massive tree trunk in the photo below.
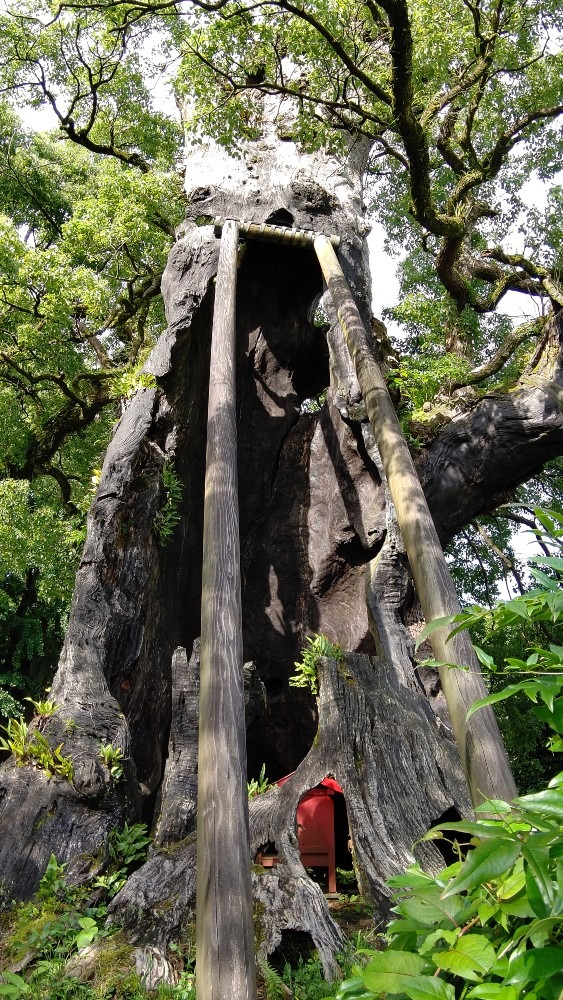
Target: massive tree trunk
x,y
320,552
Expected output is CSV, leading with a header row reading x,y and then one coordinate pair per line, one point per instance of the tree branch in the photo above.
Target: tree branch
x,y
548,277
509,345
479,459
477,555
510,565
338,49
70,419
410,129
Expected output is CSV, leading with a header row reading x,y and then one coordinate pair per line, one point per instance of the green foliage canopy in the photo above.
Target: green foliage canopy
x,y
85,230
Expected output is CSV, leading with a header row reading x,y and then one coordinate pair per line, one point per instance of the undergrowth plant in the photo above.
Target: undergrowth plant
x,y
61,919
112,758
256,786
169,514
51,927
43,709
306,668
29,746
129,845
273,982
305,980
127,848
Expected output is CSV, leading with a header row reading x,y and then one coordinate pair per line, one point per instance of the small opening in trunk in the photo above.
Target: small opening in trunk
x,y
445,846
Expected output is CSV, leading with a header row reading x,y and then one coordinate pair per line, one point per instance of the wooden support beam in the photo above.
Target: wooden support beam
x,y
224,929
481,749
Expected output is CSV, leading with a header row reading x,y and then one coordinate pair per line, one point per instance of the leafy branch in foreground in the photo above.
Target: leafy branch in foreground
x,y
489,926
541,604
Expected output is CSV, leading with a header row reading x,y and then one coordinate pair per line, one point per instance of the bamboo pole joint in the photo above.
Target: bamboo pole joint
x,y
275,234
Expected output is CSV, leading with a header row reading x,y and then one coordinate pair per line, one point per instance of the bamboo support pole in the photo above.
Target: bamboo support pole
x,y
224,929
481,749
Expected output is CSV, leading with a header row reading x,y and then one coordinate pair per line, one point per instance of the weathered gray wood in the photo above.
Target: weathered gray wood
x,y
480,745
397,768
157,905
177,805
286,901
224,931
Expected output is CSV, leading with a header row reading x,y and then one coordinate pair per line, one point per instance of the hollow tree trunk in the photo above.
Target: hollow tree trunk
x,y
397,768
320,552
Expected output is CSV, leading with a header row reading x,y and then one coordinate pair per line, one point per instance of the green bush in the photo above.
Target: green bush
x,y
490,926
305,675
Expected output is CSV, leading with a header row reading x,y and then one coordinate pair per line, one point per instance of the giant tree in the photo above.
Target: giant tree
x,y
312,116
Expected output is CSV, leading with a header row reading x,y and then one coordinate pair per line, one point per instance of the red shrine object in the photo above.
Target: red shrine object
x,y
315,830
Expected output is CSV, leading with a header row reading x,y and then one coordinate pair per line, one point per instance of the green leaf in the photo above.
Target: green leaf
x,y
518,907
529,687
391,972
487,861
539,882
544,579
428,906
485,658
442,934
16,986
412,878
554,562
432,626
84,938
550,988
535,964
353,989
492,991
471,957
429,988
539,931
486,911
513,883
490,806
518,606
485,828
546,803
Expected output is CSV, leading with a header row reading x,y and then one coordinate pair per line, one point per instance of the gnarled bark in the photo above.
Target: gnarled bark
x,y
315,531
477,460
398,768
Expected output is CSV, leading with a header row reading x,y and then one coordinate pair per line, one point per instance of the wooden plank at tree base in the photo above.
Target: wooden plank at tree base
x,y
224,930
481,749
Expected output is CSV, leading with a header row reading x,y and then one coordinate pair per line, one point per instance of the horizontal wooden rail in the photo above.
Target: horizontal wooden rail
x,y
275,234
